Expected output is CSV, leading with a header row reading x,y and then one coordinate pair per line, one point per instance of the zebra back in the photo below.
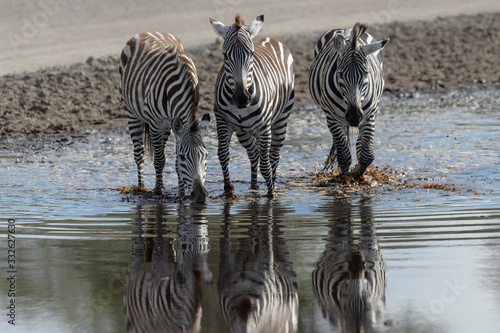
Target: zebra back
x,y
257,285
158,80
349,279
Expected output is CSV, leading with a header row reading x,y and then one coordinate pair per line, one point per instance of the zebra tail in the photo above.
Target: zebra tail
x,y
148,146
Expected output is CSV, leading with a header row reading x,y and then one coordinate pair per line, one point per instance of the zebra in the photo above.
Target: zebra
x,y
346,80
350,278
257,284
159,89
163,288
254,95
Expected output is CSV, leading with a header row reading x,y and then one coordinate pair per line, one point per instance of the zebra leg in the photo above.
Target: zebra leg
x,y
364,147
264,142
136,130
278,134
339,134
158,142
248,141
224,135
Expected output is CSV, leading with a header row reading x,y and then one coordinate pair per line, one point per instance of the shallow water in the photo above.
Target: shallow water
x,y
83,250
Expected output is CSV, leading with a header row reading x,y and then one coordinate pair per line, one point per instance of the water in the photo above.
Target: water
x,y
429,256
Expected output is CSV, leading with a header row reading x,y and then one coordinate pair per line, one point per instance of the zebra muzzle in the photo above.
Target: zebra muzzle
x,y
241,97
199,193
353,115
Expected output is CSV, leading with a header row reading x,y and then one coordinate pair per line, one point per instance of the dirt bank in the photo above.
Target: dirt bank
x,y
442,54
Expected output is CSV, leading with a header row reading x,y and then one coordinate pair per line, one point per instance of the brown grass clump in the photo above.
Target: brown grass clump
x,y
372,177
133,189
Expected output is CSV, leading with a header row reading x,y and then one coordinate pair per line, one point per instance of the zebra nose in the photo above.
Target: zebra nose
x,y
353,115
199,193
241,97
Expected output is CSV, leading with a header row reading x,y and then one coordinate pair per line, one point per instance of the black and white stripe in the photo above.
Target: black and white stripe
x,y
350,278
159,88
257,284
254,95
346,80
163,288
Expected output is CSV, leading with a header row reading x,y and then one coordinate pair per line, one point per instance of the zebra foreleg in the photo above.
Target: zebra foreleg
x,y
364,147
224,135
339,134
158,142
248,141
136,130
264,142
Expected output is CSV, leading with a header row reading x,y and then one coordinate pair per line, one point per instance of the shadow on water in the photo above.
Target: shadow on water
x,y
163,287
257,284
349,279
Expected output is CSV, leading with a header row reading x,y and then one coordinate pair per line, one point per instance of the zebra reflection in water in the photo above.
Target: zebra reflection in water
x,y
350,278
163,288
257,285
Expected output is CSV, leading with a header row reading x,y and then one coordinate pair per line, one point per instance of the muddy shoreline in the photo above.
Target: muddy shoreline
x,y
53,106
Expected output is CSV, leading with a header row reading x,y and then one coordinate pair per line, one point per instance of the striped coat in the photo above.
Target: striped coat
x,y
346,80
254,96
159,89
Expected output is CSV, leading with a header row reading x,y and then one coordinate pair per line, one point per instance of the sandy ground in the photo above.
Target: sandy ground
x,y
75,86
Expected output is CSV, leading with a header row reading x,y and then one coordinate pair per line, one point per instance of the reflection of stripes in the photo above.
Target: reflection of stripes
x,y
254,95
159,89
163,304
257,285
163,291
346,80
350,278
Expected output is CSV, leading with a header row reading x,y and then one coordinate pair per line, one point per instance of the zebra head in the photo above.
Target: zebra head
x,y
191,159
238,50
353,71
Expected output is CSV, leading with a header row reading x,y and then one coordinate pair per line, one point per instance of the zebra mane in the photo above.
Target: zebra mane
x,y
357,31
195,125
238,21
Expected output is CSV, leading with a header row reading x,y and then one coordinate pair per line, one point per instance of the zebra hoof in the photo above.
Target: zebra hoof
x,y
254,186
358,172
270,194
228,189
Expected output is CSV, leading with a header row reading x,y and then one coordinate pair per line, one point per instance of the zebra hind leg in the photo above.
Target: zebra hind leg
x,y
158,141
264,143
277,138
136,129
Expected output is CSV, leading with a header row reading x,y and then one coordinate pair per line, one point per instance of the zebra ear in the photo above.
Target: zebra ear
x,y
339,42
177,126
374,47
254,27
219,27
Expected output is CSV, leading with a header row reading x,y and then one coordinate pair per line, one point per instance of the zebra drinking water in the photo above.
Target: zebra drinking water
x,y
254,95
159,88
346,80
